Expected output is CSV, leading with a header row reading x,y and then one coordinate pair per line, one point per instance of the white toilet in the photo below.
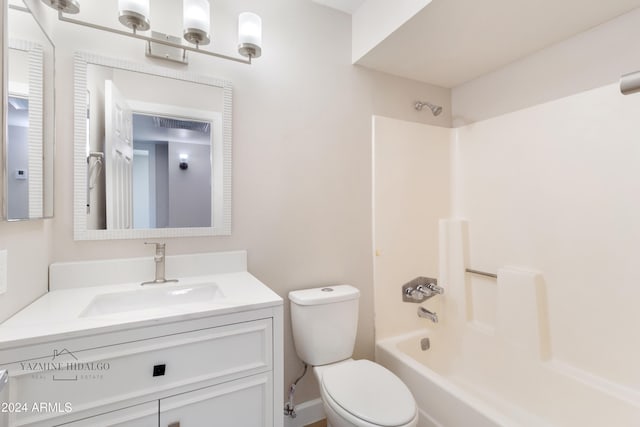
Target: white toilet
x,y
355,393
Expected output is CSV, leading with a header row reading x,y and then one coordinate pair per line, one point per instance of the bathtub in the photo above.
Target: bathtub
x,y
457,385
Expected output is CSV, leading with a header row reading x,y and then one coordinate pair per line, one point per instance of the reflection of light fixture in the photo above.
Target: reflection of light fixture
x,y
184,161
134,14
66,6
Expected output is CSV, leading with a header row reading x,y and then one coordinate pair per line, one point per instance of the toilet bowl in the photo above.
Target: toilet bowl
x,y
361,393
355,393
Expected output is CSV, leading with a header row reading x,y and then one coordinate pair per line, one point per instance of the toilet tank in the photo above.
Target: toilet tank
x,y
324,322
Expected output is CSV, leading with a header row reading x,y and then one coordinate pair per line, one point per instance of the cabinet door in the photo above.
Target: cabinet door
x,y
247,402
144,415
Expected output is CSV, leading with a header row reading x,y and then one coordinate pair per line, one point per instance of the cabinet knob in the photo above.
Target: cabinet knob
x,y
176,424
158,371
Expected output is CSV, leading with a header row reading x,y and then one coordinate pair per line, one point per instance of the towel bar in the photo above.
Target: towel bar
x,y
481,273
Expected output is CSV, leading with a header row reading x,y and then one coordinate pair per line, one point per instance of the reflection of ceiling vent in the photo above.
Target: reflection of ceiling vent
x,y
167,123
21,103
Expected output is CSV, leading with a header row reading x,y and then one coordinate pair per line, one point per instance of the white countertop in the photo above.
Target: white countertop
x,y
57,314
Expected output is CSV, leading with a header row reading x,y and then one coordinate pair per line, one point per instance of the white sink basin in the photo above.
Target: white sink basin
x,y
151,296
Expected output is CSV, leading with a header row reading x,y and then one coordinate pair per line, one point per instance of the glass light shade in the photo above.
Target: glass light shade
x,y
196,21
64,6
134,14
250,34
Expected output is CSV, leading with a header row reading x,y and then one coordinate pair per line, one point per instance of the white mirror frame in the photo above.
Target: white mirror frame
x,y
222,159
35,138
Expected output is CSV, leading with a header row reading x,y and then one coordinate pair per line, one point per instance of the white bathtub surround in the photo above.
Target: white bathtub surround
x,y
482,387
544,197
442,400
411,192
521,318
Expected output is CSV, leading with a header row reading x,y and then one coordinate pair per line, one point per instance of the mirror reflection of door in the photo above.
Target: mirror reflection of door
x,y
118,159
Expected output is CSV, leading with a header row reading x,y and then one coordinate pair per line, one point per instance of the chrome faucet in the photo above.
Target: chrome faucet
x,y
420,289
429,289
423,312
159,259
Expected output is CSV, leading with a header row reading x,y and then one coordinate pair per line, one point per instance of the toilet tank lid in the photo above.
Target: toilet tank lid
x,y
324,295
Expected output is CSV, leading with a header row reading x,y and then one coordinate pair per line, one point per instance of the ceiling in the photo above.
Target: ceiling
x,y
450,42
348,6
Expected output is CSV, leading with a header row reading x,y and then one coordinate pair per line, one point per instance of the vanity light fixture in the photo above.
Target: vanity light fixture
x,y
196,21
134,14
249,35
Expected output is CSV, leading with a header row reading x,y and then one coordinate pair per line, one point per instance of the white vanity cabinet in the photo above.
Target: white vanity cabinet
x,y
244,402
216,370
143,415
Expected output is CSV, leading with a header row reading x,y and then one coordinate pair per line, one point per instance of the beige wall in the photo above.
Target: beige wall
x,y
588,60
302,156
412,168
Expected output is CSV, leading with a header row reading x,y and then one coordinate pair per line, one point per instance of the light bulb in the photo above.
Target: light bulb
x,y
196,21
134,14
249,35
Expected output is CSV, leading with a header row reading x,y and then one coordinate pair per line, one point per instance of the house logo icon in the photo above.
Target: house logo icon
x,y
63,357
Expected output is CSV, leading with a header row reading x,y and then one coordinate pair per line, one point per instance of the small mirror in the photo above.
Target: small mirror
x,y
29,106
152,151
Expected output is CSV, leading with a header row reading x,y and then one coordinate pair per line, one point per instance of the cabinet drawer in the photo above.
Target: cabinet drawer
x,y
247,402
121,373
143,415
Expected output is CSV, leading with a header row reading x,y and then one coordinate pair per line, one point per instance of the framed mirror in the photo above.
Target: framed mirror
x,y
28,117
152,151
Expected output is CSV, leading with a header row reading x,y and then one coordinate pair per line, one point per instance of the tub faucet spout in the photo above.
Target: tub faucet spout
x,y
423,312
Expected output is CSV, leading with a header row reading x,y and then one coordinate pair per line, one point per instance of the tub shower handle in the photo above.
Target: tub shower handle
x,y
430,289
420,289
414,295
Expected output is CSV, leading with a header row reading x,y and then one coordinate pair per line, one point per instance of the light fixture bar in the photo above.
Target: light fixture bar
x,y
165,42
19,8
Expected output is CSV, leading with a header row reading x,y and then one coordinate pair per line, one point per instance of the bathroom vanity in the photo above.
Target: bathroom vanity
x,y
204,351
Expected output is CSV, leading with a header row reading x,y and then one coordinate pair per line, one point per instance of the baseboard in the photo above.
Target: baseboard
x,y
307,412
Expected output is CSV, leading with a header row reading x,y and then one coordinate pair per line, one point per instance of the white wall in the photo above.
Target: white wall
x,y
189,194
302,156
411,191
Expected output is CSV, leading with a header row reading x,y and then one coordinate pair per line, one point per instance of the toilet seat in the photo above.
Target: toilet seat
x,y
369,393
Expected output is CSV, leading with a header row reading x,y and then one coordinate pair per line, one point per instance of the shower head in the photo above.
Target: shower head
x,y
435,109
